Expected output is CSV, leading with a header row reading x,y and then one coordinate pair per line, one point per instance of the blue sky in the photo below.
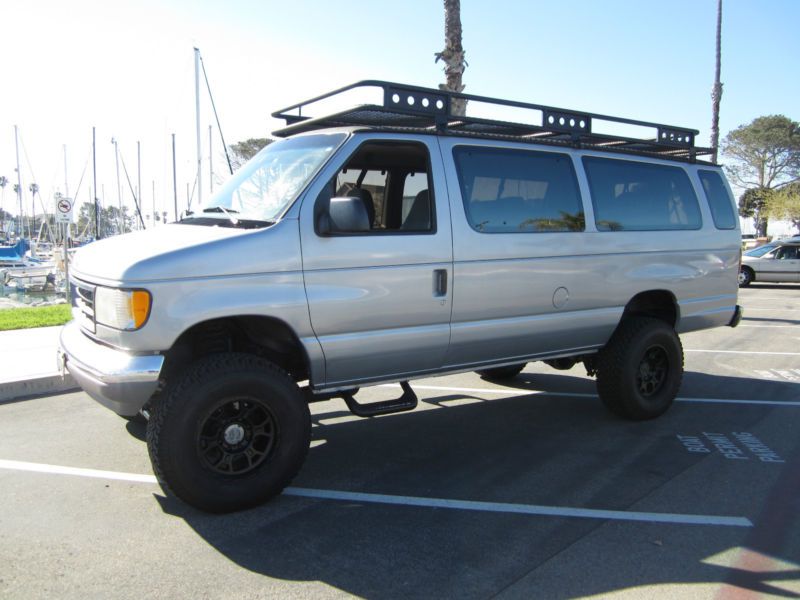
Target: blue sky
x,y
127,68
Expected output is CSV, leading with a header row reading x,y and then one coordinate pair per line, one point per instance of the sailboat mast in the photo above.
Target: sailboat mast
x,y
66,184
19,183
94,178
197,118
119,189
174,179
139,180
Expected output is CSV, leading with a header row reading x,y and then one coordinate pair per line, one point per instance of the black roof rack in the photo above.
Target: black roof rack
x,y
412,108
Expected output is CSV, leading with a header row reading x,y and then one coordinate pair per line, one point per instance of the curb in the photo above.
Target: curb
x,y
36,386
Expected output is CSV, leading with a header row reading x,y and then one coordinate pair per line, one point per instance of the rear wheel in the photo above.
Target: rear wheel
x,y
230,434
640,370
499,373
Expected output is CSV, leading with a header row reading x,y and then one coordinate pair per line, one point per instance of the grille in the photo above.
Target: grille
x,y
82,298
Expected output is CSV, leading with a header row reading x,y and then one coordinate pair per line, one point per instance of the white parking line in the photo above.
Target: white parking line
x,y
771,309
524,509
18,465
753,352
494,507
768,326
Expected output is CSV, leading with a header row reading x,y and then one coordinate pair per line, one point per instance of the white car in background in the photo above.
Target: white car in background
x,y
780,264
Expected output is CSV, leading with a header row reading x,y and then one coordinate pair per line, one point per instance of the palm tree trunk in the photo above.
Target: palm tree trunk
x,y
716,91
453,55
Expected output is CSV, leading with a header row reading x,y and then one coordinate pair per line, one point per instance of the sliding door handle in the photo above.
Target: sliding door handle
x,y
440,283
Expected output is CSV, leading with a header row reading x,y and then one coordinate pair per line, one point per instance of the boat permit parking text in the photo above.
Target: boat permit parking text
x,y
734,446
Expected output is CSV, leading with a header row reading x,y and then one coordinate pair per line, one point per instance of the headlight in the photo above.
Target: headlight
x,y
121,309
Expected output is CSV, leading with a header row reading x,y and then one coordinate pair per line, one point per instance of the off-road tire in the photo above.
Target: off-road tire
x,y
640,370
219,398
500,373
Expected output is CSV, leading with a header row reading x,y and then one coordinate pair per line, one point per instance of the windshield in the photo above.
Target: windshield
x,y
269,182
761,250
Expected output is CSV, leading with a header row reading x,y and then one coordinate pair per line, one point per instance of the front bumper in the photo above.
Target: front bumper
x,y
118,380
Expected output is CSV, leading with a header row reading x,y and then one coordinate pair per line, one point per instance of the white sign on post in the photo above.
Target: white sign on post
x,y
64,210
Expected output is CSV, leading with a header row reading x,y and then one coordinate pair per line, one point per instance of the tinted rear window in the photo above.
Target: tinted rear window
x,y
635,196
518,191
719,200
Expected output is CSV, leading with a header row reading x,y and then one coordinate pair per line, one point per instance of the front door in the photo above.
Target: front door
x,y
380,301
783,266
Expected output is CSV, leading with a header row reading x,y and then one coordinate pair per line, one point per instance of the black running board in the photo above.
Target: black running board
x,y
408,401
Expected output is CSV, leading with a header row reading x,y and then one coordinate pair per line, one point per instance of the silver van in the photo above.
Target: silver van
x,y
394,241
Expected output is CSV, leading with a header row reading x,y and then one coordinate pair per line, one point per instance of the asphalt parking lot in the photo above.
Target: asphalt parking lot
x,y
529,490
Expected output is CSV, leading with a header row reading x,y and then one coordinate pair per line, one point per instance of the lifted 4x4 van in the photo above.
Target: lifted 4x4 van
x,y
393,241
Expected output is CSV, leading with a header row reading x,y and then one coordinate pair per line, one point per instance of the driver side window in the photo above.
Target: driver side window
x,y
393,181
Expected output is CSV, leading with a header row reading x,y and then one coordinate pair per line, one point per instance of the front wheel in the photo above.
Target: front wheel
x,y
746,276
230,434
640,370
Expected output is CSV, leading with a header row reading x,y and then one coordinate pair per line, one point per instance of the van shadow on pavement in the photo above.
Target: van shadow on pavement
x,y
556,451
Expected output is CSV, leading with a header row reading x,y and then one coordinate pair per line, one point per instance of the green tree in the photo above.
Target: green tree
x,y
107,219
243,151
6,216
785,204
754,203
453,55
763,156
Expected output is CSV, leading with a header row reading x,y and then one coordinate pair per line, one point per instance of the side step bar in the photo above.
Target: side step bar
x,y
408,401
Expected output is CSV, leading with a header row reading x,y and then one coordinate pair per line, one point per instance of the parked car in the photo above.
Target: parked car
x,y
391,242
749,240
780,264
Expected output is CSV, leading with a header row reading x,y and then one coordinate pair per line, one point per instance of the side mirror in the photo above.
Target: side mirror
x,y
343,215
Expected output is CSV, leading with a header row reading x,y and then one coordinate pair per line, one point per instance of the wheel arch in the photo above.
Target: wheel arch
x,y
659,304
267,337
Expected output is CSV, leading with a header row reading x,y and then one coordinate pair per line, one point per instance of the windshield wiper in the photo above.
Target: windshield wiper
x,y
228,213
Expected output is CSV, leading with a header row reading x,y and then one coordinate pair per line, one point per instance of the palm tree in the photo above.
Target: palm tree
x,y
34,188
453,55
716,91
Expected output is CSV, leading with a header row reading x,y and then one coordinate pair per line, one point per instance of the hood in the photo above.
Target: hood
x,y
182,251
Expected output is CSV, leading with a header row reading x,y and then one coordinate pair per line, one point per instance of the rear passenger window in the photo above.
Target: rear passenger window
x,y
719,200
518,191
635,196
